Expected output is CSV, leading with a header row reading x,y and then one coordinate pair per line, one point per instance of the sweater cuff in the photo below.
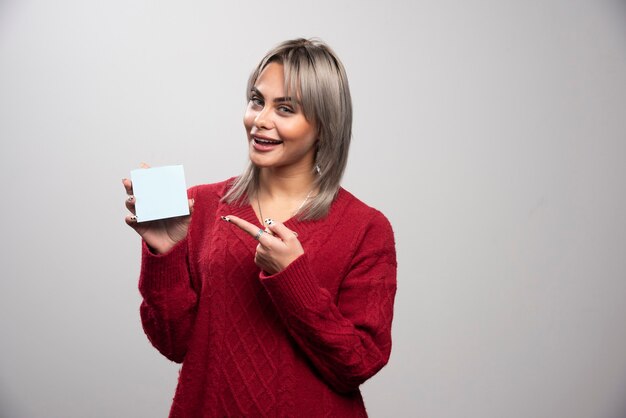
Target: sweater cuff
x,y
295,287
161,271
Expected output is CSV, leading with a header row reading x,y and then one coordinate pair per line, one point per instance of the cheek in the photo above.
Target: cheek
x,y
248,119
302,131
307,135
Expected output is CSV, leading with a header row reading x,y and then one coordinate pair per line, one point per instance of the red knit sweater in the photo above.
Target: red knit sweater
x,y
298,343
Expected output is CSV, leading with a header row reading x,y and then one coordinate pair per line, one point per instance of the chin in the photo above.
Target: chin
x,y
261,162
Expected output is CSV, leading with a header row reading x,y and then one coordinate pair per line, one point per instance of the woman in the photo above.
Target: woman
x,y
276,293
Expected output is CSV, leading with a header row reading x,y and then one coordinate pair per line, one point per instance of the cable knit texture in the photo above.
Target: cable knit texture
x,y
297,343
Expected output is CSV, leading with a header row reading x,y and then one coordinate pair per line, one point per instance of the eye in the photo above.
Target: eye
x,y
285,109
256,100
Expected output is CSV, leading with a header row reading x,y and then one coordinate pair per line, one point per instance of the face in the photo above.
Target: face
x,y
279,136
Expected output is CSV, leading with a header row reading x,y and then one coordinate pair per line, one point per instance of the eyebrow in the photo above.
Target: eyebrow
x,y
276,99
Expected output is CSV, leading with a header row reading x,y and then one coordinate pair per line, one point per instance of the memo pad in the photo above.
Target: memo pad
x,y
160,192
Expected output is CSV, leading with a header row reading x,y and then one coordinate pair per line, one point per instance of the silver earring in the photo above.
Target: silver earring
x,y
318,169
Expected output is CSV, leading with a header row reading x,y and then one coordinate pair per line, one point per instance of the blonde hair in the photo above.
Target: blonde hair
x,y
312,70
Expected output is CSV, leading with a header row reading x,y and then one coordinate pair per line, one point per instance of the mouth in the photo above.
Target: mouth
x,y
264,144
265,141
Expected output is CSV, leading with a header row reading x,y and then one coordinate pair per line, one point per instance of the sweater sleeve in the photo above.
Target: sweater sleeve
x,y
347,339
169,302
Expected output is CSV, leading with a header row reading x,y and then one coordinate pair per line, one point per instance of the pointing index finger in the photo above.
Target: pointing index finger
x,y
249,228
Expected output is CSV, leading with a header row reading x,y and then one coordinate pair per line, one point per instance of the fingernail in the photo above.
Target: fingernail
x,y
193,201
269,221
130,198
225,218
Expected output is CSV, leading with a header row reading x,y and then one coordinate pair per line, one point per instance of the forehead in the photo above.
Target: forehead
x,y
272,76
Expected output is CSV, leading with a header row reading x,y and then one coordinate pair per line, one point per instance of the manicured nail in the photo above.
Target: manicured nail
x,y
226,218
269,221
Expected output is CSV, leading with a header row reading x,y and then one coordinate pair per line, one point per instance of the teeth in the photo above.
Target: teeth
x,y
266,141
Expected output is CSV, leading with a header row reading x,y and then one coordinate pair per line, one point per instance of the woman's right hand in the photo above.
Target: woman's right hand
x,y
160,235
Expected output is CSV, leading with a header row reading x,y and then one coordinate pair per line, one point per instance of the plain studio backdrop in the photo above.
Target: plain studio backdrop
x,y
491,133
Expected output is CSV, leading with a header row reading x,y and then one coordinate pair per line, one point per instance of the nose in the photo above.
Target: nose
x,y
263,119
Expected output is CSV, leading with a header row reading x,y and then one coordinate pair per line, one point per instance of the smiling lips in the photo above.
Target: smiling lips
x,y
264,144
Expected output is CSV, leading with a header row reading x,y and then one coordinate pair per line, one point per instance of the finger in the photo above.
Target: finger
x,y
131,220
144,165
128,185
251,229
261,256
262,251
281,231
130,204
242,224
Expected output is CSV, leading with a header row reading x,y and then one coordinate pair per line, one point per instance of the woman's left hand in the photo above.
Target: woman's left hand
x,y
274,252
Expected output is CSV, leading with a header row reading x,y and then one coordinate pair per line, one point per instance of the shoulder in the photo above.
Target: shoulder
x,y
367,226
353,210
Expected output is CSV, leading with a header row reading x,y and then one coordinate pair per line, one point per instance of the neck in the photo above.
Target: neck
x,y
275,183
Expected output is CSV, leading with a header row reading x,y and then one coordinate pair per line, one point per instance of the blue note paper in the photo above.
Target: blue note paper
x,y
160,192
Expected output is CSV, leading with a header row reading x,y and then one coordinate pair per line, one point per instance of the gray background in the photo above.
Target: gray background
x,y
491,133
